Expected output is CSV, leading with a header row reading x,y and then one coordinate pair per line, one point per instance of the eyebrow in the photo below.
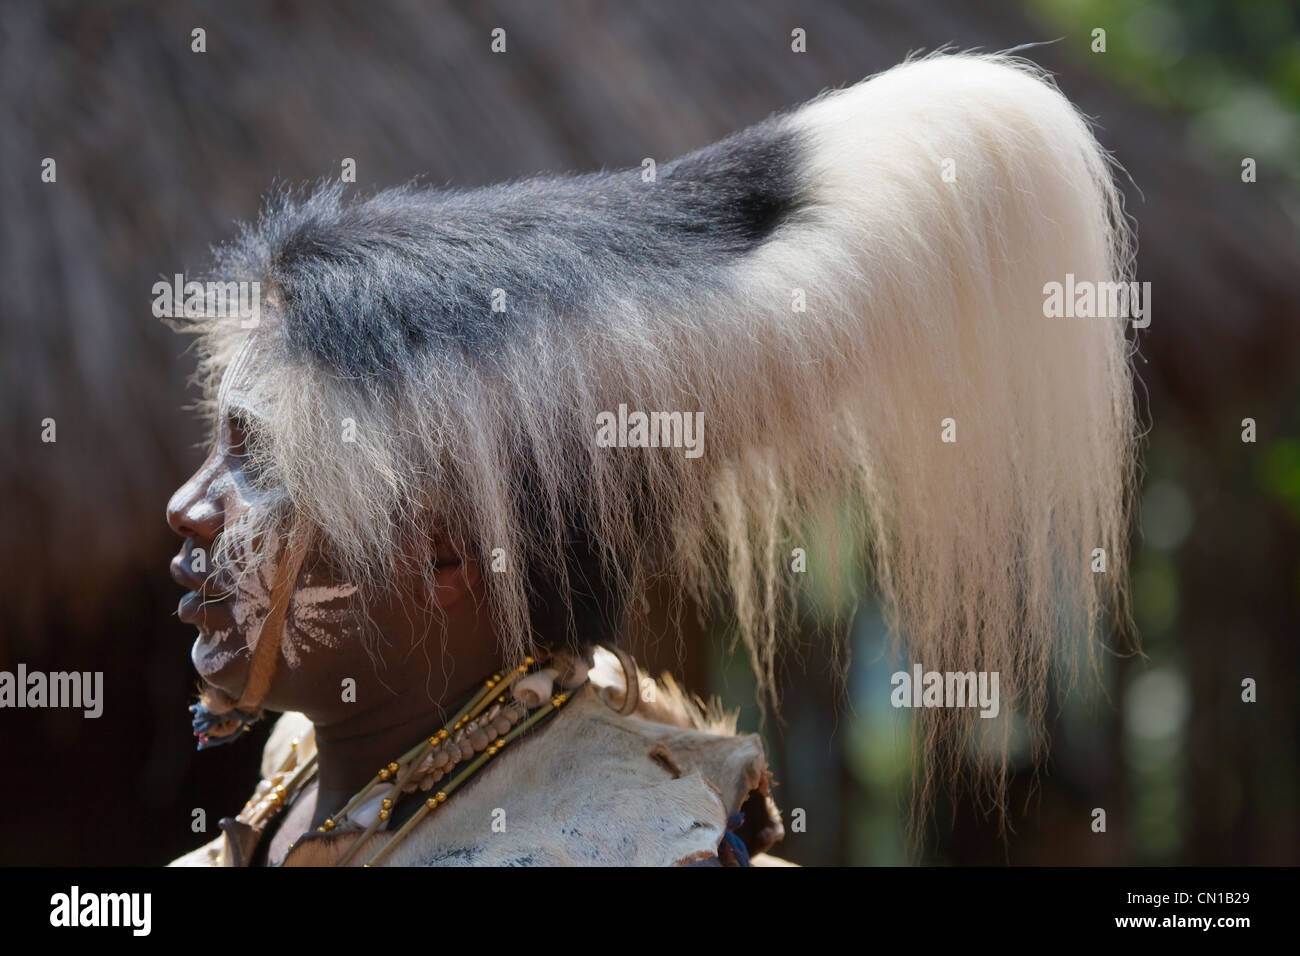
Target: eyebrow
x,y
242,413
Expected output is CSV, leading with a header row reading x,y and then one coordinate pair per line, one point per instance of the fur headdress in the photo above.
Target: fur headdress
x,y
836,291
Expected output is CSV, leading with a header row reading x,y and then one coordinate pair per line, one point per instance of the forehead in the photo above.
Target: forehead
x,y
245,385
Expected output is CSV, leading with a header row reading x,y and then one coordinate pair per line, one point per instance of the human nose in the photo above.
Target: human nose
x,y
193,511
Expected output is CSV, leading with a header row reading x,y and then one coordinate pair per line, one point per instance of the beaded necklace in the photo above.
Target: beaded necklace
x,y
504,708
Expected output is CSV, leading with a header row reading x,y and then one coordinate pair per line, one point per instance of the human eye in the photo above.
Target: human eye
x,y
242,449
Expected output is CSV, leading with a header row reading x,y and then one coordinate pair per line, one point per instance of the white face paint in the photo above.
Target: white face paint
x,y
319,616
213,653
252,602
220,645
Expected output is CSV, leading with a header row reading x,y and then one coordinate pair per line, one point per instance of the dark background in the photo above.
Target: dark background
x,y
160,150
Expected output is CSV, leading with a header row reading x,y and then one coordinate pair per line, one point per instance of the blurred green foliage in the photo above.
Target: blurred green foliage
x,y
1279,473
1233,68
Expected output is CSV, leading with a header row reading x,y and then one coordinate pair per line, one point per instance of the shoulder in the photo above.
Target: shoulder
x,y
665,785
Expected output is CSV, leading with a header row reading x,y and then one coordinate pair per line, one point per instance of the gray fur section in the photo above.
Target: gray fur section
x,y
366,283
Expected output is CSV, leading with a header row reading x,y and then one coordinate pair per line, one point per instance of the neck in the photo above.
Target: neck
x,y
350,752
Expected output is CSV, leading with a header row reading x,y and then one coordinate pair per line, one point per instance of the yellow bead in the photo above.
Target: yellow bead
x,y
329,824
431,803
384,774
529,661
441,797
383,814
393,768
387,804
492,751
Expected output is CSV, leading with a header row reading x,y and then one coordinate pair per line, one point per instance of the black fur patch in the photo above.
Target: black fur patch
x,y
367,283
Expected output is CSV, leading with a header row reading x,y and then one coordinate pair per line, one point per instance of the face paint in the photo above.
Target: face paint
x,y
320,616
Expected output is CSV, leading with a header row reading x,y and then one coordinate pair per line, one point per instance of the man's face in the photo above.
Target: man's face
x,y
322,643
227,611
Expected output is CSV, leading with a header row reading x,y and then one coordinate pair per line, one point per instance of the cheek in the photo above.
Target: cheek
x,y
323,618
225,489
252,601
245,511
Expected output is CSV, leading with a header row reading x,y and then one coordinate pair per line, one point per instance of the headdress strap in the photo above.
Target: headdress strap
x,y
266,650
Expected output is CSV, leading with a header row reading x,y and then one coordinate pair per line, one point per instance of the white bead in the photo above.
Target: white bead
x,y
532,689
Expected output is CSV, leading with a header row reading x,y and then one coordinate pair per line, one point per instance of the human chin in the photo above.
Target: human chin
x,y
220,651
221,658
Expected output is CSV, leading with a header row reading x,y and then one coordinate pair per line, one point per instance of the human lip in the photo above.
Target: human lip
x,y
186,578
199,599
202,610
214,586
